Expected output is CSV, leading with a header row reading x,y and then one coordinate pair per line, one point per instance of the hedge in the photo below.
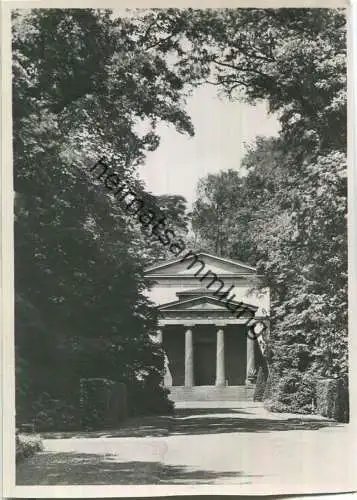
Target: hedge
x,y
292,392
51,414
332,399
103,403
260,385
149,399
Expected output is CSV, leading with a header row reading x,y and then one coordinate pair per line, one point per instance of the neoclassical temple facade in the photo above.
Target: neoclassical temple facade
x,y
204,330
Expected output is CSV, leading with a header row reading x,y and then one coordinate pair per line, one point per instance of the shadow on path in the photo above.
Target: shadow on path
x,y
182,412
201,421
193,421
82,468
114,462
153,426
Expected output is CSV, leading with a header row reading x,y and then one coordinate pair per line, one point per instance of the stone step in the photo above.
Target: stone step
x,y
212,393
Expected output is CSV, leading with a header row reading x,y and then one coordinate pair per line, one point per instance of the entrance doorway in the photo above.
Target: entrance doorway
x,y
205,362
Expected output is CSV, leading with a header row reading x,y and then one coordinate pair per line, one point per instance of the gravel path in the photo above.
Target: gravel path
x,y
243,445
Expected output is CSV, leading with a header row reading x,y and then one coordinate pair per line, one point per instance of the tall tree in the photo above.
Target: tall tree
x,y
81,85
141,67
296,188
216,216
293,58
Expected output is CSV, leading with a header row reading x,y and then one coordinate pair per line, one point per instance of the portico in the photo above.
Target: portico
x,y
193,367
206,334
206,341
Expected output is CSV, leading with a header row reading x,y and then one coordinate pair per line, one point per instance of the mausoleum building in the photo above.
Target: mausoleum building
x,y
206,332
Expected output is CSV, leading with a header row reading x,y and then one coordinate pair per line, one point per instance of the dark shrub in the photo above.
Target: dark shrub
x,y
260,385
149,398
103,403
344,401
268,391
332,399
53,414
326,397
293,392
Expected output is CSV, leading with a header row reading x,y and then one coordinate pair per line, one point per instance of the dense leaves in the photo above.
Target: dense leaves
x,y
289,213
88,85
294,58
83,89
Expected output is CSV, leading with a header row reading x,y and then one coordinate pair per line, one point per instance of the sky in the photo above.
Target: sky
x,y
223,130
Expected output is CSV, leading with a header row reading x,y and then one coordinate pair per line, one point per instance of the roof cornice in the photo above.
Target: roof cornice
x,y
174,304
168,263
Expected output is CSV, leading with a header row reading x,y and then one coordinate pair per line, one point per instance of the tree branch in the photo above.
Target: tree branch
x,y
213,83
148,29
255,55
159,42
240,68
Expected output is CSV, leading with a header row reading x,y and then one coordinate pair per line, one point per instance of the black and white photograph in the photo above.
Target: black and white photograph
x,y
180,249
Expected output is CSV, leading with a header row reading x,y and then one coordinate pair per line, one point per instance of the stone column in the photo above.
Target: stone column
x,y
250,359
188,358
220,373
167,374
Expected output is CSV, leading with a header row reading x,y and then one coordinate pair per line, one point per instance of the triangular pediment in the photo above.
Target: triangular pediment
x,y
204,303
191,263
